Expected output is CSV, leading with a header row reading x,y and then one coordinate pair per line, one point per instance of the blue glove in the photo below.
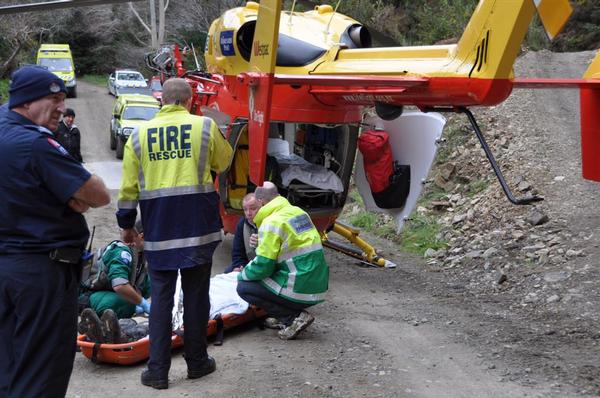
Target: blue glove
x,y
139,310
145,306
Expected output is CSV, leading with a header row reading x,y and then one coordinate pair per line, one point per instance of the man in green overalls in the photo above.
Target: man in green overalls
x,y
117,287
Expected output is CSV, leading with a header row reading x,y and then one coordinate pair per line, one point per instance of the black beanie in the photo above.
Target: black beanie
x,y
30,83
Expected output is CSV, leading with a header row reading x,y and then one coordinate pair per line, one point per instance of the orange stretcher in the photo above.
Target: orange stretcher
x,y
137,351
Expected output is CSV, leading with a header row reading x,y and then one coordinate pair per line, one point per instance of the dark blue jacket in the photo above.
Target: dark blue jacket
x,y
238,251
37,179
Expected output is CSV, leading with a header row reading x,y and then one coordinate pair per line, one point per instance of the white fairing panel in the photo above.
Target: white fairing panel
x,y
414,138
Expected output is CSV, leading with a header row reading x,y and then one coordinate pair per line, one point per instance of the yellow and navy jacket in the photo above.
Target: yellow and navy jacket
x,y
289,258
166,170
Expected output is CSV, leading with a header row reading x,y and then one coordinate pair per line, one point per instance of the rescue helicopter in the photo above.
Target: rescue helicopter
x,y
291,91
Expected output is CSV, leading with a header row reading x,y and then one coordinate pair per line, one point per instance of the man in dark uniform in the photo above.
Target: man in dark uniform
x,y
43,192
170,178
68,135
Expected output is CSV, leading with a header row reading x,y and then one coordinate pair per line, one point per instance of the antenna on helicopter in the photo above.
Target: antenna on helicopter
x,y
332,15
292,12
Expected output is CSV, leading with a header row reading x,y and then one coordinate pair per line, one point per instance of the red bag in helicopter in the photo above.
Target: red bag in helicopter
x,y
377,156
389,181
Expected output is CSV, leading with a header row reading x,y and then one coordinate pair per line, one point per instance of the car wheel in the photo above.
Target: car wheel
x,y
113,140
120,148
72,92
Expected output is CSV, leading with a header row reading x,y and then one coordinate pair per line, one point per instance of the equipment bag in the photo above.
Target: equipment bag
x,y
96,278
389,181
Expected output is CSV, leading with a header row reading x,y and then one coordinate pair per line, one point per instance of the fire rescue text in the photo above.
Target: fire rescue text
x,y
169,142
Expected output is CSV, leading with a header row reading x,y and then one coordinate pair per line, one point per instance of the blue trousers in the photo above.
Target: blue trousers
x,y
276,306
38,325
196,306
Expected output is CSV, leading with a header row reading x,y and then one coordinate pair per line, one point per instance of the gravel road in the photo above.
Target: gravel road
x,y
404,332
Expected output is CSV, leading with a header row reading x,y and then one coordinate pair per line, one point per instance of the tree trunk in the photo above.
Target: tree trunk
x,y
161,22
153,36
12,56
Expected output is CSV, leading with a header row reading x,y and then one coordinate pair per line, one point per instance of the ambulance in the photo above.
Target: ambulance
x,y
57,59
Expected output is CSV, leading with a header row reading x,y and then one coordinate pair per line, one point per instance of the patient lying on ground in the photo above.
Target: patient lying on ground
x,y
110,330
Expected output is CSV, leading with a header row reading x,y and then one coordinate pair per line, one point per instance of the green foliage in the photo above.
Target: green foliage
x,y
4,83
456,132
420,234
477,186
536,38
440,19
365,220
354,196
97,80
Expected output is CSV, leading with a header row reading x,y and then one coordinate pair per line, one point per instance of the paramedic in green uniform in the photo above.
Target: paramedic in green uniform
x,y
128,285
289,272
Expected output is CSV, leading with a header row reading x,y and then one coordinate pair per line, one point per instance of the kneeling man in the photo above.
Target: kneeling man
x,y
289,272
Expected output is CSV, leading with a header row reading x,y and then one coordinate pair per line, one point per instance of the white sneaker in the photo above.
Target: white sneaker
x,y
301,322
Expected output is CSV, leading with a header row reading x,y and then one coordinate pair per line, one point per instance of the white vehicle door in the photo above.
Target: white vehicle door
x,y
414,138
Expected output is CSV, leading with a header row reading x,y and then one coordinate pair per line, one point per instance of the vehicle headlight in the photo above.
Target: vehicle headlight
x,y
71,82
126,131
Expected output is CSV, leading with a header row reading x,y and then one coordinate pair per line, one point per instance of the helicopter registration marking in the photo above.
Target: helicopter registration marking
x,y
360,98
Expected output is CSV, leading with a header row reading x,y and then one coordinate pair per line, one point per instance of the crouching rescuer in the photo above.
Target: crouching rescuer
x,y
289,272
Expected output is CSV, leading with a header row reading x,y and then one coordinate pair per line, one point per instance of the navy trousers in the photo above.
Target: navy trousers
x,y
276,306
38,325
195,283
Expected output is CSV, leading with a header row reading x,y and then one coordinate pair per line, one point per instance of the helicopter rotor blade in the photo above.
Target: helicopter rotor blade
x,y
54,5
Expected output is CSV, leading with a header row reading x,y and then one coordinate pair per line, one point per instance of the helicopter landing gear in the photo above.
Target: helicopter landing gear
x,y
488,152
359,249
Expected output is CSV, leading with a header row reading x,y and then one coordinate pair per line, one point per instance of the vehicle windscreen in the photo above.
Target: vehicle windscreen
x,y
130,77
56,64
139,112
134,90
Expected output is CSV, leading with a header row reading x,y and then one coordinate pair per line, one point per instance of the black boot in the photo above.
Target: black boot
x,y
92,327
111,326
207,367
155,381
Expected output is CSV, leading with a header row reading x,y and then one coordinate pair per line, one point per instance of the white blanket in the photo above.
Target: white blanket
x,y
223,298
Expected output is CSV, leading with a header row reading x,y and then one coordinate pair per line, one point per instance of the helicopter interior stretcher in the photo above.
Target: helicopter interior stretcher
x,y
310,164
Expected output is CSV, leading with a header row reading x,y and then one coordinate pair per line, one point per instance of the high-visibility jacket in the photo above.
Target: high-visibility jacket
x,y
289,258
166,170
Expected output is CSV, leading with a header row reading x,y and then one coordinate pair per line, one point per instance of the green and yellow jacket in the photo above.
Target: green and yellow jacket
x,y
289,258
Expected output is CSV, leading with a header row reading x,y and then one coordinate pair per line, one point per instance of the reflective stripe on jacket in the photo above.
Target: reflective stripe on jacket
x,y
166,169
289,258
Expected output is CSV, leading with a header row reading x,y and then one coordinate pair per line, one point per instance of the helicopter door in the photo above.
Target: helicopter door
x,y
413,137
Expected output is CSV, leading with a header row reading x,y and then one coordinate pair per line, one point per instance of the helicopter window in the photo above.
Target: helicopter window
x,y
290,51
294,52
